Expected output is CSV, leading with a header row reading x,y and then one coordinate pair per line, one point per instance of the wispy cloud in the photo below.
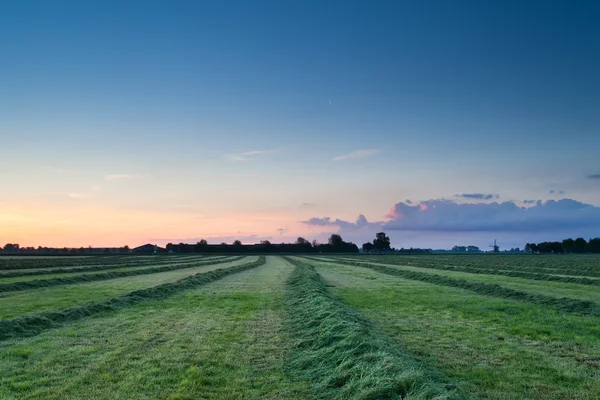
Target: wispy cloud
x,y
478,196
248,155
121,177
79,196
305,206
594,176
357,154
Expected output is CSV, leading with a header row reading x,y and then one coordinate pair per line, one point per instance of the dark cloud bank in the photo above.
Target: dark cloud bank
x,y
529,219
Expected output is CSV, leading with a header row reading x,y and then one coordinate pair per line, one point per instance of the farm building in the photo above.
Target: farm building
x,y
149,249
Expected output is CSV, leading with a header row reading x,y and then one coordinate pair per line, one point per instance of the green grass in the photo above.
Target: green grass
x,y
220,341
105,275
18,275
16,304
34,324
333,331
492,348
486,287
344,355
556,289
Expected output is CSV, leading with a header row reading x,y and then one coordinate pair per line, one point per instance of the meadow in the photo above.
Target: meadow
x,y
296,327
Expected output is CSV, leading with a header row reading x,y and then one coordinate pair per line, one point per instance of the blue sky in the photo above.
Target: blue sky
x,y
217,119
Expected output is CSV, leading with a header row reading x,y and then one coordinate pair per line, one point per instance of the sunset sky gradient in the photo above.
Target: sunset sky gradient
x,y
154,121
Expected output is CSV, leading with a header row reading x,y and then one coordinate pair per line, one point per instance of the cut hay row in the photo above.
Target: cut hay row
x,y
556,264
487,271
565,304
53,262
101,267
41,283
34,324
343,354
77,262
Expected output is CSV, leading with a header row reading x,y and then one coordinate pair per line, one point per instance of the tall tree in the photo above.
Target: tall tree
x,y
335,241
302,241
568,246
381,242
580,245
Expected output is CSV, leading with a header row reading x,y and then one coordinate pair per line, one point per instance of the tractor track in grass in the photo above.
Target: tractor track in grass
x,y
565,304
344,355
34,324
42,283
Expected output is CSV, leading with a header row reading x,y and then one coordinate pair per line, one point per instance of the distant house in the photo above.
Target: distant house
x,y
149,249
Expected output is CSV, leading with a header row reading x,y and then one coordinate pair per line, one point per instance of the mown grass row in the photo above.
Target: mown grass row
x,y
34,324
343,354
488,271
39,283
50,262
560,303
557,264
97,267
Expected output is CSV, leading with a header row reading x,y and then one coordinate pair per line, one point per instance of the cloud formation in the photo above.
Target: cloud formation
x,y
357,154
449,216
478,196
361,222
594,176
446,215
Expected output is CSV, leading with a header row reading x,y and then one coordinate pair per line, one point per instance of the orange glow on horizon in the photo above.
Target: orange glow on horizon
x,y
36,224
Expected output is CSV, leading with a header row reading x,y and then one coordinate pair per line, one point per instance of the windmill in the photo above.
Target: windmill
x,y
495,247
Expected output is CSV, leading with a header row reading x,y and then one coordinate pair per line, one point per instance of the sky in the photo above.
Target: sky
x,y
442,123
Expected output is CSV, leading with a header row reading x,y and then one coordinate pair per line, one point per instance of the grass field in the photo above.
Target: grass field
x,y
327,327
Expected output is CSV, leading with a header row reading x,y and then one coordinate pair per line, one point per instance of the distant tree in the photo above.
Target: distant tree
x,y
381,242
170,247
473,249
460,249
237,243
200,246
580,245
368,247
315,243
265,242
335,241
11,247
124,249
302,241
568,245
593,245
225,244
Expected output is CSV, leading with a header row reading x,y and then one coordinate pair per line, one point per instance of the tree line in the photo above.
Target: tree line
x,y
335,244
577,246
